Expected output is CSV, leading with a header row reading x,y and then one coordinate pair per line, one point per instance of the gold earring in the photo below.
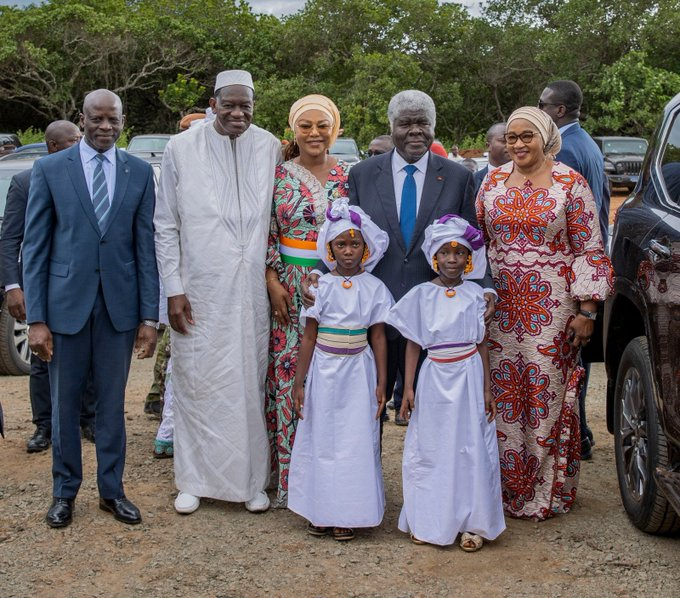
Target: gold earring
x,y
330,256
364,257
435,264
468,266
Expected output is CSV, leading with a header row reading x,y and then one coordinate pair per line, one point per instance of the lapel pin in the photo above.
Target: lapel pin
x,y
440,178
126,170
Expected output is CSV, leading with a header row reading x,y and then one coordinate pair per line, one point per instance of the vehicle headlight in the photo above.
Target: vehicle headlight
x,y
609,166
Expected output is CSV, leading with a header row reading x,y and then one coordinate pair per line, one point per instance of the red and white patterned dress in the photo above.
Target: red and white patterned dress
x,y
546,255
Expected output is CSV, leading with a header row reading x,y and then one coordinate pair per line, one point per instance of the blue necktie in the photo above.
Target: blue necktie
x,y
407,216
100,192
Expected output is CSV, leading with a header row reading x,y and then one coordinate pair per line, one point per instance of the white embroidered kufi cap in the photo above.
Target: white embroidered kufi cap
x,y
454,228
340,216
234,77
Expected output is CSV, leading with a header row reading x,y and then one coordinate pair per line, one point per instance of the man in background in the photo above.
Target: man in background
x,y
496,152
562,100
59,135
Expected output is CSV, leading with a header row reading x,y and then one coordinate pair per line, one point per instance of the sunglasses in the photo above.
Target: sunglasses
x,y
371,153
542,104
525,136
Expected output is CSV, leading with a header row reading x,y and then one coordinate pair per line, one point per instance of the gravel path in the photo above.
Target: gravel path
x,y
222,550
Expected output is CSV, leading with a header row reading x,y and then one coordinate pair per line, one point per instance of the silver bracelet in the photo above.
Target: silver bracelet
x,y
152,324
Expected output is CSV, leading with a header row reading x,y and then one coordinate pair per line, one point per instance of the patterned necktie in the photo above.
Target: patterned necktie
x,y
407,217
100,192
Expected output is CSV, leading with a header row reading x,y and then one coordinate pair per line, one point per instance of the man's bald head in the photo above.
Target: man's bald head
x,y
60,135
102,119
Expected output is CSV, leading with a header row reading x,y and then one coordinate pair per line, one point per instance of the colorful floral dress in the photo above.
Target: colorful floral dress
x,y
298,210
546,255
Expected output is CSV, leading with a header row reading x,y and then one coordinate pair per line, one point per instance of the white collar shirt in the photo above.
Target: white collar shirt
x,y
399,176
563,128
87,158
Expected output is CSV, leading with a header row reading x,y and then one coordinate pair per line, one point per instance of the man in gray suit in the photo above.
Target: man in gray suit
x,y
404,191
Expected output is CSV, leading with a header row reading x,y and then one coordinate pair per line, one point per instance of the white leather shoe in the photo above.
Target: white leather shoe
x,y
259,503
186,503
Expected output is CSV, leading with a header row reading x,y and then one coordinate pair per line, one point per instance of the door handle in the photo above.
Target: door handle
x,y
658,251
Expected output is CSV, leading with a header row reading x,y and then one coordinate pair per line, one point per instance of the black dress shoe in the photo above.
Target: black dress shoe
x,y
87,432
153,408
61,512
39,442
586,449
122,509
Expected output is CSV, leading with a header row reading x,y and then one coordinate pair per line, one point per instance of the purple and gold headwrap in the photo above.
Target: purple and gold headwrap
x,y
454,228
340,216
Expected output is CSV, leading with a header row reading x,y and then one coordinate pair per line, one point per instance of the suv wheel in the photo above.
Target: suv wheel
x,y
15,355
639,443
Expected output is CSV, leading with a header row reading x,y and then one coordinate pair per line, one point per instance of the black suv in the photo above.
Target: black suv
x,y
642,337
622,159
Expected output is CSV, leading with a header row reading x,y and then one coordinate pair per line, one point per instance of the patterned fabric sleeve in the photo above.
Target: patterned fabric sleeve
x,y
481,213
591,272
273,255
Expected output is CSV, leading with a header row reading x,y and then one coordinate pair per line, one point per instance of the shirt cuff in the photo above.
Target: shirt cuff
x,y
492,291
11,287
173,287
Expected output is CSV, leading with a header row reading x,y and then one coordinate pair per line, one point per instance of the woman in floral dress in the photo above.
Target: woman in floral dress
x,y
550,270
305,184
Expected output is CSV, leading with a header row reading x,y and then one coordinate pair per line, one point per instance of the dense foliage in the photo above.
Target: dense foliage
x,y
161,57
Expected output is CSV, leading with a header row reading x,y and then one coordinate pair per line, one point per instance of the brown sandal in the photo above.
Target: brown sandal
x,y
471,542
343,534
417,541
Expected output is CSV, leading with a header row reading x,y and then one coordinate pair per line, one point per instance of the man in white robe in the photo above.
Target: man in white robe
x,y
212,221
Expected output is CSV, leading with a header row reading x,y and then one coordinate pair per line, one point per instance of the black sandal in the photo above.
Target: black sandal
x,y
314,530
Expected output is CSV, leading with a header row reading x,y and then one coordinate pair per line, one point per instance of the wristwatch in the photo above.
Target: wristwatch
x,y
151,323
591,315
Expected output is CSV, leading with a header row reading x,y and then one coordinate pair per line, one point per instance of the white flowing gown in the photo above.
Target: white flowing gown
x,y
335,477
212,221
450,469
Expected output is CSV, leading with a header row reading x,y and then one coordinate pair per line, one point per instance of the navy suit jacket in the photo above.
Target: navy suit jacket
x,y
581,153
479,178
13,229
448,189
66,256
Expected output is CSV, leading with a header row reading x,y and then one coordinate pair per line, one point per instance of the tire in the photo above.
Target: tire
x,y
639,443
15,356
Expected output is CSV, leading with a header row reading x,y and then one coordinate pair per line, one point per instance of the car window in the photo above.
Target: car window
x,y
344,146
670,161
148,144
625,146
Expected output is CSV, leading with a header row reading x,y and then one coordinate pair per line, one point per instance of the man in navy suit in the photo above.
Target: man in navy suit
x,y
442,186
91,288
59,135
496,151
562,100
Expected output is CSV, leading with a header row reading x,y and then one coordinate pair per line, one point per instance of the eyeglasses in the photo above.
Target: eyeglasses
x,y
542,104
525,136
371,153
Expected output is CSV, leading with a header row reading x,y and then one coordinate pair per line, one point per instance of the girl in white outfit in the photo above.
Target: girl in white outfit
x,y
335,479
450,469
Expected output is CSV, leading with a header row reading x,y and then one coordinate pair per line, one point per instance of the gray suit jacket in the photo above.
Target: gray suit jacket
x,y
12,234
449,189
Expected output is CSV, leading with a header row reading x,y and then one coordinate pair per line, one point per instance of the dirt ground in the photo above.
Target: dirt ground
x,y
222,550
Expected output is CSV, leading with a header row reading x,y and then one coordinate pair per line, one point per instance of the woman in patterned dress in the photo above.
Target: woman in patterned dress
x,y
550,270
305,184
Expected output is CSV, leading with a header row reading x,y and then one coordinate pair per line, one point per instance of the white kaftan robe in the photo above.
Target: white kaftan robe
x,y
335,477
212,221
450,469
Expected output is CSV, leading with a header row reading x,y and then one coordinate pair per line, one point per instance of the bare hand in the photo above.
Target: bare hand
x,y
179,313
489,406
16,304
299,400
280,302
40,341
490,299
382,399
145,343
579,331
308,298
407,404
